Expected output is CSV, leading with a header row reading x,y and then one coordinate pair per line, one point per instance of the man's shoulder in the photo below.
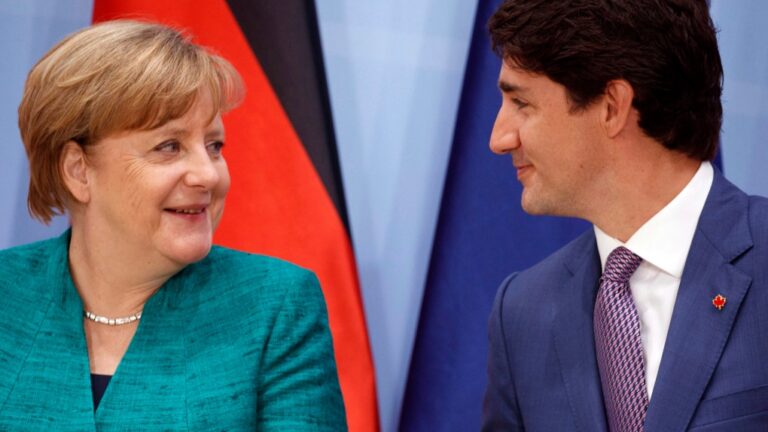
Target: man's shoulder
x,y
555,267
758,220
534,291
731,215
758,209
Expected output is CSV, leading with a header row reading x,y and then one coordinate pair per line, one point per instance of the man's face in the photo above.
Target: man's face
x,y
560,155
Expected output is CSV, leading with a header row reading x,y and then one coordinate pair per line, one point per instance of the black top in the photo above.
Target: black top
x,y
99,386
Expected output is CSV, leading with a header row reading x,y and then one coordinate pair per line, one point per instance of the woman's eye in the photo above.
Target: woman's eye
x,y
215,147
168,147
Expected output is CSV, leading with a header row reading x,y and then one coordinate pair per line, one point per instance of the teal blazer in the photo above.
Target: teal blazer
x,y
234,342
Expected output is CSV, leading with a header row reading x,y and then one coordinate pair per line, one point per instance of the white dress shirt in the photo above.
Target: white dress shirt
x,y
663,243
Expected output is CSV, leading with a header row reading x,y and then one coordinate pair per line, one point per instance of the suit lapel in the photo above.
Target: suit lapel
x,y
52,384
23,315
574,337
698,331
149,386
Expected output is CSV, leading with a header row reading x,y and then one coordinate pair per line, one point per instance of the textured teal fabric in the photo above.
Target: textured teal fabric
x,y
234,342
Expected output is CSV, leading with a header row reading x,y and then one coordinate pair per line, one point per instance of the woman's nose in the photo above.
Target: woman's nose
x,y
202,171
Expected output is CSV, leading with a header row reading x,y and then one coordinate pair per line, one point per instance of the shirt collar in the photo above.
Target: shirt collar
x,y
665,239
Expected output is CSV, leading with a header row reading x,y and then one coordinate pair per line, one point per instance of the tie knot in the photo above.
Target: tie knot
x,y
620,265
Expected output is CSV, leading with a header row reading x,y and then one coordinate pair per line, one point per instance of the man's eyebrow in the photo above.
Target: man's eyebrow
x,y
506,87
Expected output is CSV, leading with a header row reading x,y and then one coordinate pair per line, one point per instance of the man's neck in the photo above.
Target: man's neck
x,y
640,190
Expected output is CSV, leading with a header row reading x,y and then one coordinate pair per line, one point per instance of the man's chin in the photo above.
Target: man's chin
x,y
529,204
534,205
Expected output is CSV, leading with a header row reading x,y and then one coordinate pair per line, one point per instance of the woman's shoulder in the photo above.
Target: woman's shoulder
x,y
26,277
31,251
223,256
244,296
229,274
239,267
28,261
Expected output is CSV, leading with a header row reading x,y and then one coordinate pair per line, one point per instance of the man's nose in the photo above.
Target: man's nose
x,y
505,136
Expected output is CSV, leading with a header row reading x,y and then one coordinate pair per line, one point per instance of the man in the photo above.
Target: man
x,y
657,319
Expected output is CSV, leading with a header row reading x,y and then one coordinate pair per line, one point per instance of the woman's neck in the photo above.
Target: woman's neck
x,y
111,279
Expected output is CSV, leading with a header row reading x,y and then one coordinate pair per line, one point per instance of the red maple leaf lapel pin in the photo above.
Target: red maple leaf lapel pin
x,y
719,302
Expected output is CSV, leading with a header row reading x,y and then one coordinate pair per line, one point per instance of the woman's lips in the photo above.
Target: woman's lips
x,y
189,213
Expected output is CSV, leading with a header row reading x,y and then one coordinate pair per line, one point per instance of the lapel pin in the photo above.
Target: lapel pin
x,y
718,302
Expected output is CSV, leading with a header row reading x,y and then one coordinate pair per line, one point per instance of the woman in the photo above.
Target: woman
x,y
122,126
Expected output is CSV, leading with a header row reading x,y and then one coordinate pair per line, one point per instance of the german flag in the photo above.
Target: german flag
x,y
286,198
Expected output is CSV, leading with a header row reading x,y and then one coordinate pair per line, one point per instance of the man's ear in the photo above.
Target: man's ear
x,y
618,98
74,172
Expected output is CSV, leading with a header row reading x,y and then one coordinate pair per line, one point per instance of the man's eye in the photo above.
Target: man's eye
x,y
215,147
519,103
168,147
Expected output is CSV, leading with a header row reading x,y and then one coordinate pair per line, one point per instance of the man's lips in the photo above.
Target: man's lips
x,y
523,169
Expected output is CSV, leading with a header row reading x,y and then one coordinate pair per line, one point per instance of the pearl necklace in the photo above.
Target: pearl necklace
x,y
112,321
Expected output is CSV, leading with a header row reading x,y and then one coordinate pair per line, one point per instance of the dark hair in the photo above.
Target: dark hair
x,y
666,49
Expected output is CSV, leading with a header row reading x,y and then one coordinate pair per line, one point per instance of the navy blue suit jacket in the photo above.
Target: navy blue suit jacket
x,y
713,374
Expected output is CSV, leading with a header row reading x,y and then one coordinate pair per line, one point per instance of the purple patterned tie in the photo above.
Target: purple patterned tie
x,y
618,345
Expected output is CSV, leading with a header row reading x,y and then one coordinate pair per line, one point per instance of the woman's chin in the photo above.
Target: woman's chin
x,y
188,251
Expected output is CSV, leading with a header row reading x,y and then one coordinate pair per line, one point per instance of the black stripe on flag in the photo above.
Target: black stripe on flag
x,y
285,38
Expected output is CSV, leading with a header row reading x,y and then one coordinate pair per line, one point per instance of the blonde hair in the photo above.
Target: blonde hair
x,y
111,77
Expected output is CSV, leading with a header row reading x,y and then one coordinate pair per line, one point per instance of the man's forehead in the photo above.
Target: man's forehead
x,y
515,79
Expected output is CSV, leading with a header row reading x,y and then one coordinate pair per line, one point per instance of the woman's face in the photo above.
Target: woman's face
x,y
160,193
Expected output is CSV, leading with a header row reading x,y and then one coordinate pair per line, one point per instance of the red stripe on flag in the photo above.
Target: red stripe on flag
x,y
277,204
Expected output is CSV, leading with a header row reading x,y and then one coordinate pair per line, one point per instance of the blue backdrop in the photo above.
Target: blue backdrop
x,y
482,235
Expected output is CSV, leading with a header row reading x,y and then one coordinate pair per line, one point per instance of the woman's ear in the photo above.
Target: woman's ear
x,y
74,171
618,105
